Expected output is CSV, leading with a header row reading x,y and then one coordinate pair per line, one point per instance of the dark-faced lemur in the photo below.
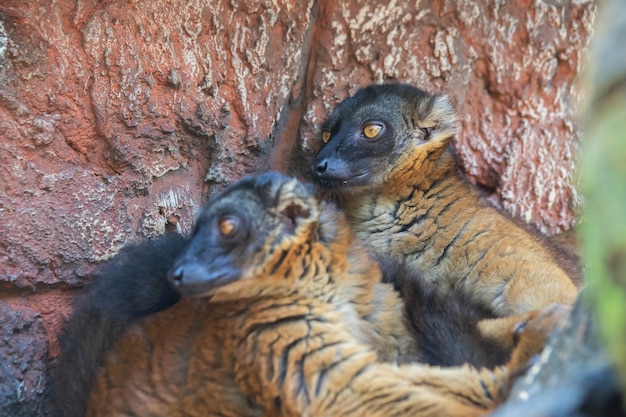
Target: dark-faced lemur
x,y
386,157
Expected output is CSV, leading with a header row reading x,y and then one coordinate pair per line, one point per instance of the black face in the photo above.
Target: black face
x,y
226,232
235,227
211,258
365,135
349,157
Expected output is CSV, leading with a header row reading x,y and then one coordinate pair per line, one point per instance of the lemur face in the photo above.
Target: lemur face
x,y
242,234
369,133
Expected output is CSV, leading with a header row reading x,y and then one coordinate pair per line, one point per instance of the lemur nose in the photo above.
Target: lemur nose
x,y
322,167
176,275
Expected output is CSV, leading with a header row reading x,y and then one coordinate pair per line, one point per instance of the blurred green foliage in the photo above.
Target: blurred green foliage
x,y
602,230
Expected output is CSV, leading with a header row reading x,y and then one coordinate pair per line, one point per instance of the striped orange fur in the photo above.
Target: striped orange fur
x,y
289,318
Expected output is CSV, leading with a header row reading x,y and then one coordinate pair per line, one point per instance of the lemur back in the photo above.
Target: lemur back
x,y
288,317
386,158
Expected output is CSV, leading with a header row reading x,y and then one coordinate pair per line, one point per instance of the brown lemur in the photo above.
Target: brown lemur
x,y
288,317
386,157
133,284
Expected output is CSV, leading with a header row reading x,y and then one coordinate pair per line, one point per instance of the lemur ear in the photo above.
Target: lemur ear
x,y
437,119
297,203
294,212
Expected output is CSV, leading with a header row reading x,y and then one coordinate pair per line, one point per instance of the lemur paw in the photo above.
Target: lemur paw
x,y
533,333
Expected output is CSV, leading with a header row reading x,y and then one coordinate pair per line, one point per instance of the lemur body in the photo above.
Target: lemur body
x,y
387,159
291,320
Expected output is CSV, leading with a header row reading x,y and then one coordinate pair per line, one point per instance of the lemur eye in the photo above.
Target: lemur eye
x,y
228,225
325,136
427,131
372,130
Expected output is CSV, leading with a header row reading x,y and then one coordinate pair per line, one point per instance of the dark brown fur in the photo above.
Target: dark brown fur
x,y
292,320
130,286
445,325
404,198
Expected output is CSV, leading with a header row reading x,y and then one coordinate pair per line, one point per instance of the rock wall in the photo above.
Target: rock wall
x,y
119,118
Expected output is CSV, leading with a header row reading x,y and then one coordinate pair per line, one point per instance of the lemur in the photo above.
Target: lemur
x,y
386,157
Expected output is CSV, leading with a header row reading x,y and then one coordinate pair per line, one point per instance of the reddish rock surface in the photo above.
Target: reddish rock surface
x,y
117,119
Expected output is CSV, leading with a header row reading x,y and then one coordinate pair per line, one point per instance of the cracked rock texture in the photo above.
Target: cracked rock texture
x,y
119,118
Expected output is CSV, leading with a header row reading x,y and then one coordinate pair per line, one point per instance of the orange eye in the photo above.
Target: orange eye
x,y
325,136
227,225
372,130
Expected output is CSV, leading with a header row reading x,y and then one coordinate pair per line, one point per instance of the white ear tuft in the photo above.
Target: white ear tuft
x,y
444,117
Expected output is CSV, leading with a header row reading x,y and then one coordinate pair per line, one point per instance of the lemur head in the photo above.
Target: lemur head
x,y
247,237
378,129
